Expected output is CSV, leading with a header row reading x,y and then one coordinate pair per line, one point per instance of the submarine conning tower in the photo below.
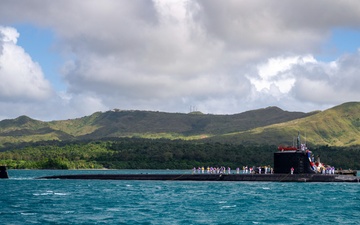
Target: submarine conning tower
x,y
298,157
3,172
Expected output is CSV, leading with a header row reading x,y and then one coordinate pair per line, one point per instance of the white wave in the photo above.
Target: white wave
x,y
58,193
228,206
28,214
113,209
21,178
69,212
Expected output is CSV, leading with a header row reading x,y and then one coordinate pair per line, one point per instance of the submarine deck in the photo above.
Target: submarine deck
x,y
214,177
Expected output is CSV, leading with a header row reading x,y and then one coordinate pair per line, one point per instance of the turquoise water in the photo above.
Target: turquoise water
x,y
25,200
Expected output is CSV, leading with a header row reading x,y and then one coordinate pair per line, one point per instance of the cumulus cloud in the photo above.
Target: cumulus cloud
x,y
329,83
276,72
310,83
21,78
223,57
276,27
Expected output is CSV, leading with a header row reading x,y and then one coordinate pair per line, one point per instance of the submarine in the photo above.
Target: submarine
x,y
213,177
3,172
291,164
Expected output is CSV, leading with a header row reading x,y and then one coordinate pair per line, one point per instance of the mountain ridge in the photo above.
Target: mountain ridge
x,y
339,125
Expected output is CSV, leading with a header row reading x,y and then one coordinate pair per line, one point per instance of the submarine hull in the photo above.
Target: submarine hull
x,y
3,172
214,177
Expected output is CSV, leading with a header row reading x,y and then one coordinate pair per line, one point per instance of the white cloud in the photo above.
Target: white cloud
x,y
223,57
329,83
21,78
276,73
9,34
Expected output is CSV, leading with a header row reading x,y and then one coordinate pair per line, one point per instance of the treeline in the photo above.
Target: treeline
x,y
137,153
340,157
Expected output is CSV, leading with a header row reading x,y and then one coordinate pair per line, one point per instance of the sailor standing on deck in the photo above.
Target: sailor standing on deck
x,y
292,170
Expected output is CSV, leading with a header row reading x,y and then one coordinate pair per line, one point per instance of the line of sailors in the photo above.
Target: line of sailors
x,y
224,170
327,170
212,170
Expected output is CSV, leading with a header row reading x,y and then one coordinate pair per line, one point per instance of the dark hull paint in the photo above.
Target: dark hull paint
x,y
214,177
3,172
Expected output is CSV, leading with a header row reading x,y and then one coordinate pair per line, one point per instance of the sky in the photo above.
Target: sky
x,y
70,58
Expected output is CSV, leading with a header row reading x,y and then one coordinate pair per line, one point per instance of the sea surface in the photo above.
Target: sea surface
x,y
26,200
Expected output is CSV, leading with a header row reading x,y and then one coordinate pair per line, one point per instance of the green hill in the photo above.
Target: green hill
x,y
22,122
338,126
175,125
145,124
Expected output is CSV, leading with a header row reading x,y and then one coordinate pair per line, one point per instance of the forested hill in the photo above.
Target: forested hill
x,y
185,125
338,126
148,124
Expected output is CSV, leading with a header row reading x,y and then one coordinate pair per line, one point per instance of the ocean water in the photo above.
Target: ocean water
x,y
25,200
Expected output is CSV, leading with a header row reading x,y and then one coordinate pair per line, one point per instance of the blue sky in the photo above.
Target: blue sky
x,y
73,58
341,41
40,44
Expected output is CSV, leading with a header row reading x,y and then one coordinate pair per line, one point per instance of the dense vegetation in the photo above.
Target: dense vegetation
x,y
160,140
136,153
145,124
338,126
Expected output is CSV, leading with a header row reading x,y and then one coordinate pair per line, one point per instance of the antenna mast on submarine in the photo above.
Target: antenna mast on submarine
x,y
298,143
